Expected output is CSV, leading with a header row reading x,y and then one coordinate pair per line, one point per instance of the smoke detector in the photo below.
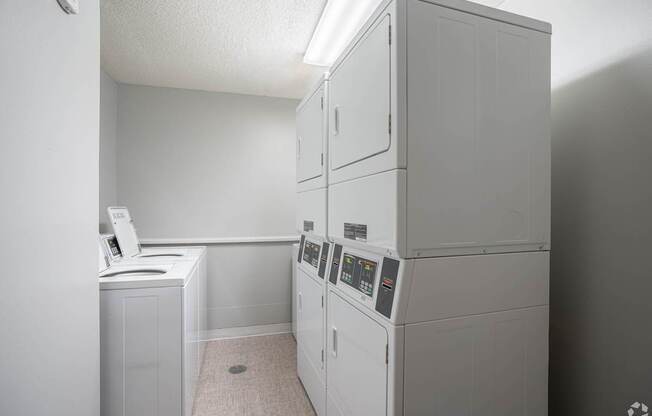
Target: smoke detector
x,y
69,6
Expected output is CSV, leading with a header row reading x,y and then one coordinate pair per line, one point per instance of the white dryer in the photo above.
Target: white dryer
x,y
439,336
312,157
439,137
312,262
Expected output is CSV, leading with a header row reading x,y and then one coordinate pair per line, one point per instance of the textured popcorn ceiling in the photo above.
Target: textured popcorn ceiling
x,y
240,46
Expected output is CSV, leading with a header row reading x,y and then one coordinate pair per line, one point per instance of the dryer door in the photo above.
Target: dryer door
x,y
356,362
310,137
359,99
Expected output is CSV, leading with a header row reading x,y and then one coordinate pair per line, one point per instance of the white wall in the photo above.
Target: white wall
x,y
589,34
199,164
601,287
108,148
49,126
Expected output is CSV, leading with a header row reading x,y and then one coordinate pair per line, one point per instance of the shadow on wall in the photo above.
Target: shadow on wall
x,y
601,271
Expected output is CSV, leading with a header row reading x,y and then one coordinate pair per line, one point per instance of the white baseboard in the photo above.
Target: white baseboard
x,y
247,331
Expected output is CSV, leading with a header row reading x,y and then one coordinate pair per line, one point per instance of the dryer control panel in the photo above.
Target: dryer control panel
x,y
359,273
311,253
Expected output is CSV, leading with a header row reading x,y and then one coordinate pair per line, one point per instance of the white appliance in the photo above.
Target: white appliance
x,y
313,250
293,261
439,136
150,338
153,298
312,260
439,212
439,336
312,156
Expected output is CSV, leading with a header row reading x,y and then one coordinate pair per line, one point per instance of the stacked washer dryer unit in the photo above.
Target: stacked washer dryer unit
x,y
439,212
153,312
314,249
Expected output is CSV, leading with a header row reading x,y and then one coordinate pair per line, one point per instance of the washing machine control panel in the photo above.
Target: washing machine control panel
x,y
111,247
359,273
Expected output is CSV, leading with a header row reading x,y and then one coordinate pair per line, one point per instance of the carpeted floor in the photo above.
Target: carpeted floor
x,y
268,387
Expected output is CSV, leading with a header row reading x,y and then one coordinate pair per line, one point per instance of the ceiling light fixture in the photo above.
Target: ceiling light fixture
x,y
339,22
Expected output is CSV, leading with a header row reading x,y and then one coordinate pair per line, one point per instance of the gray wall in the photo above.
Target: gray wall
x,y
49,126
108,148
601,271
198,164
601,289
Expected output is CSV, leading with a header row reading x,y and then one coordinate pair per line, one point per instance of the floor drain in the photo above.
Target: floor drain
x,y
237,369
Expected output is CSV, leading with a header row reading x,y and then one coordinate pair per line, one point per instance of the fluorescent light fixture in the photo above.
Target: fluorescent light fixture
x,y
339,22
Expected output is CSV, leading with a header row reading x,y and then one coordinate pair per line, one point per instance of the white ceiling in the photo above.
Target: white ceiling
x,y
240,46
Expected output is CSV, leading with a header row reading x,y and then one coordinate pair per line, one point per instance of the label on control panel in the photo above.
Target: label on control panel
x,y
308,226
357,232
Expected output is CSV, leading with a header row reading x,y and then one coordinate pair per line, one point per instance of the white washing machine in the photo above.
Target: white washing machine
x,y
439,132
439,336
176,279
312,262
169,255
125,249
150,351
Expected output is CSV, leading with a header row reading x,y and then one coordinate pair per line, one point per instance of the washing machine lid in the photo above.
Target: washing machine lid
x,y
124,230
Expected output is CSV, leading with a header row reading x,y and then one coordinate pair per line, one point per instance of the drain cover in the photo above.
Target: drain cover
x,y
237,369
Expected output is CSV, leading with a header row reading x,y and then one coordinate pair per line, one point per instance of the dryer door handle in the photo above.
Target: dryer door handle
x,y
300,302
334,343
336,130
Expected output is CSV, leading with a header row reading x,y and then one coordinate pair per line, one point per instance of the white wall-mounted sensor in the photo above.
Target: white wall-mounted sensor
x,y
69,6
